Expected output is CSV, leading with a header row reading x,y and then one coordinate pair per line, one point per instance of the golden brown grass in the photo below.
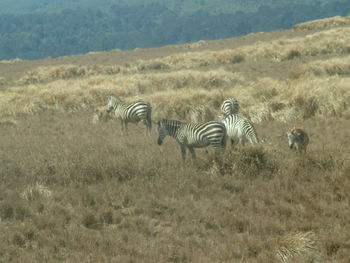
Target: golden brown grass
x,y
293,245
324,23
72,191
193,79
101,114
324,68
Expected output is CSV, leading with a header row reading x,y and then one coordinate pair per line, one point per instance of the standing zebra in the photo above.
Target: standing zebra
x,y
298,139
134,112
191,136
240,129
229,106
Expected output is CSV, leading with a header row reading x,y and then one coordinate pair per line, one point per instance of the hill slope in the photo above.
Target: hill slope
x,y
77,31
73,190
188,6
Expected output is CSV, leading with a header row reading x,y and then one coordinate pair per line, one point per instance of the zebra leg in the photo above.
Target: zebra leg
x,y
126,127
234,142
122,126
243,141
148,124
192,152
149,127
224,143
183,151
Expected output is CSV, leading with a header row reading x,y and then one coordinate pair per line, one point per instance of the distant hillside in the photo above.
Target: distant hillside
x,y
178,6
60,28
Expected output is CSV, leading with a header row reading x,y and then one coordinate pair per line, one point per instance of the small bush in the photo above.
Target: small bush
x,y
19,240
237,59
90,221
107,217
292,55
249,161
6,211
332,247
253,161
292,245
308,106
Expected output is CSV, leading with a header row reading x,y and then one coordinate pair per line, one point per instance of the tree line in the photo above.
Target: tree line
x,y
34,36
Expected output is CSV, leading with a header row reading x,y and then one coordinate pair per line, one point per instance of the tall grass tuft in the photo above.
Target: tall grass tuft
x,y
293,245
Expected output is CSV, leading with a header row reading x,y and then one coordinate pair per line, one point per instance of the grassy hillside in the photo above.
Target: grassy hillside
x,y
70,30
76,189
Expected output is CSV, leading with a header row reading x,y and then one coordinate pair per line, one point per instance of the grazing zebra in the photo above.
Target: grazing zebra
x,y
134,112
229,106
298,139
240,129
191,136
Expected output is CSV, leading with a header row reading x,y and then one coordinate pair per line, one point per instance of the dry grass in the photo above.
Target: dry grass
x,y
72,191
330,41
324,68
37,191
263,99
11,61
101,114
51,73
324,23
294,245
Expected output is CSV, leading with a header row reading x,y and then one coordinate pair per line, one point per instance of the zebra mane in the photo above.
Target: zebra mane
x,y
171,123
116,101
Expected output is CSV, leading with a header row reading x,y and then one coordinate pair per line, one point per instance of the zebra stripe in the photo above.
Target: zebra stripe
x,y
134,112
240,129
192,136
229,106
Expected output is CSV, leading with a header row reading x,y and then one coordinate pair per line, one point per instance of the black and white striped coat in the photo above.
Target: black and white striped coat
x,y
240,129
192,136
229,106
134,113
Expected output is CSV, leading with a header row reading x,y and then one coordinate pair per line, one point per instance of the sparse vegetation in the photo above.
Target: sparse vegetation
x,y
324,23
73,191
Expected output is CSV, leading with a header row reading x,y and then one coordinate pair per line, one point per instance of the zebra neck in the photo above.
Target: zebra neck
x,y
173,128
120,106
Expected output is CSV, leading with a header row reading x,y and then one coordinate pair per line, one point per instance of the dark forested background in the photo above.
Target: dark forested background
x,y
32,35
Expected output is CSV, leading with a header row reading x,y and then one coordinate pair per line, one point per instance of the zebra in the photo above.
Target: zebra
x,y
134,112
191,136
229,106
240,129
298,139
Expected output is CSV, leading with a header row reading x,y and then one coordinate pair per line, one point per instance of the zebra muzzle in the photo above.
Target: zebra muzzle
x,y
159,141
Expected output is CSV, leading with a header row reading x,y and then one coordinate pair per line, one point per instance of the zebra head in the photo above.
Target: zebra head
x,y
291,139
162,131
167,127
112,103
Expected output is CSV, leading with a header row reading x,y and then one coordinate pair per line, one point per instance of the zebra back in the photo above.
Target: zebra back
x,y
230,106
213,131
241,128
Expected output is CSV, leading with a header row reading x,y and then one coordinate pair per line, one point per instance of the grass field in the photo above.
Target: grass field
x,y
73,190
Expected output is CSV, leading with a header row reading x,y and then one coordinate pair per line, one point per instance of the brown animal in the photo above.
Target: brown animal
x,y
298,139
